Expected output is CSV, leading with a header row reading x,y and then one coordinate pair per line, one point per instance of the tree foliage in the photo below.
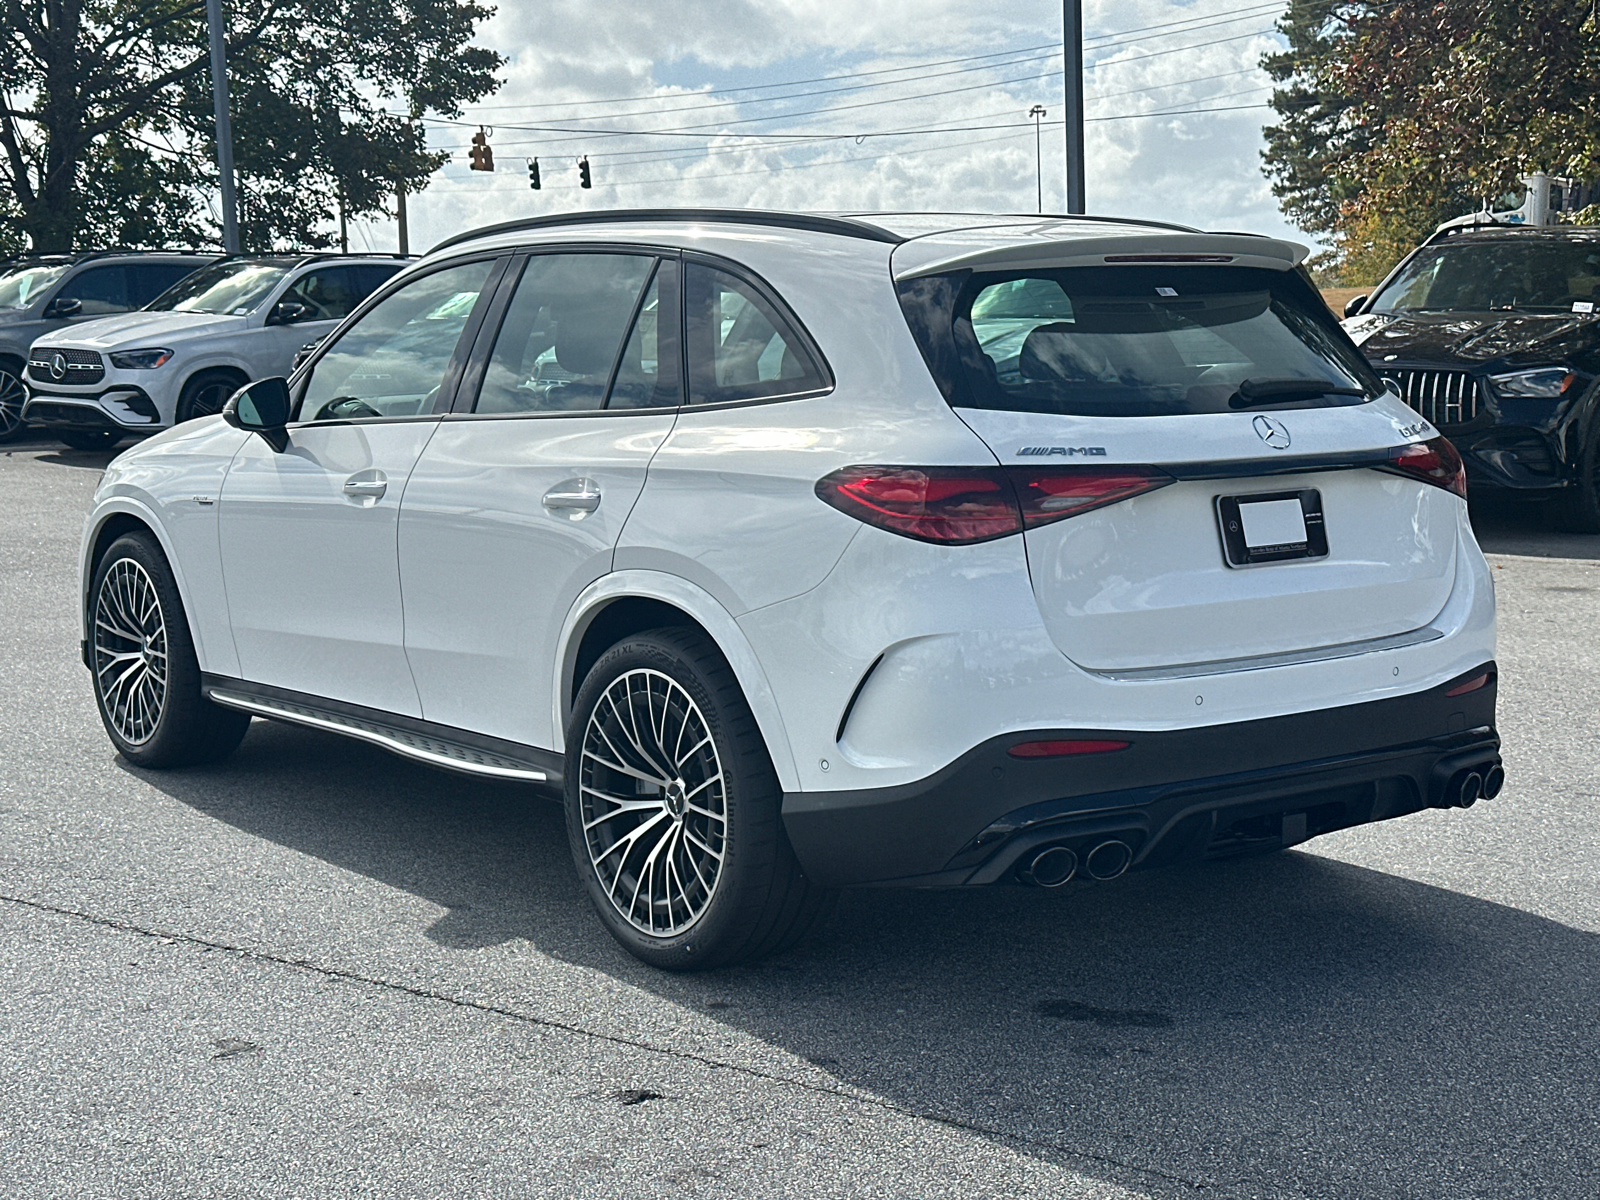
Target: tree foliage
x,y
106,123
1395,116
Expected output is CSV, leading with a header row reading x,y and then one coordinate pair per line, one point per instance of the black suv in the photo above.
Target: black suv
x,y
41,293
1492,332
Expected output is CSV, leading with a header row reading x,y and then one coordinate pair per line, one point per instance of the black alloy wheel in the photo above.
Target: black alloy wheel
x,y
1578,507
13,395
206,393
90,439
146,674
673,810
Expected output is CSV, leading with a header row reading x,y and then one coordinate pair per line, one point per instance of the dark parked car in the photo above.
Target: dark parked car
x,y
41,293
1493,334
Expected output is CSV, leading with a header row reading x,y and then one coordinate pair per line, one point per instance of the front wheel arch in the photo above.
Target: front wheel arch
x,y
201,379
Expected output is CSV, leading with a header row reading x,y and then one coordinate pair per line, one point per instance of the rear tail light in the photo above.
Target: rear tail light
x,y
958,506
1063,748
1436,462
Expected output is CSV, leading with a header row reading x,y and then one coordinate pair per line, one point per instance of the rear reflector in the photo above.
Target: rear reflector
x,y
1062,749
1435,461
1471,685
958,506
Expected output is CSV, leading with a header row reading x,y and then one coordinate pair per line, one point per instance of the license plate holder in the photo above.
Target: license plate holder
x,y
1272,527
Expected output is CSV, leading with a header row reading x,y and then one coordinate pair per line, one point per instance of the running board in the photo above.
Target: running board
x,y
434,748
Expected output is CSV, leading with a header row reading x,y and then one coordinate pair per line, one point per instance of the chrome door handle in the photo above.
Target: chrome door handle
x,y
366,489
577,499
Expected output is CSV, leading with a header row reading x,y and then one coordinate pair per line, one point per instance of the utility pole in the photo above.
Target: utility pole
x,y
344,229
1072,42
219,100
1037,113
405,232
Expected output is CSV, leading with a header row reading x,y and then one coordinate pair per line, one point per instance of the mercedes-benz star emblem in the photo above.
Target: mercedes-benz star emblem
x,y
1273,433
58,366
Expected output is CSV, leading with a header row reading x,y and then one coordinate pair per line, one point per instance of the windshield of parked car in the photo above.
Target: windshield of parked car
x,y
21,283
1137,341
232,288
1527,272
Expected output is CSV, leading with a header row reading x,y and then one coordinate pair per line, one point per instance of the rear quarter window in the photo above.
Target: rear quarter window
x,y
1133,341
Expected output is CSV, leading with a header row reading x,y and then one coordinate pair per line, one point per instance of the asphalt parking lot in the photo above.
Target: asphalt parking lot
x,y
318,970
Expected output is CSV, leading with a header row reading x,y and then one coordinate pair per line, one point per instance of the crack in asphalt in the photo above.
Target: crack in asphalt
x,y
422,993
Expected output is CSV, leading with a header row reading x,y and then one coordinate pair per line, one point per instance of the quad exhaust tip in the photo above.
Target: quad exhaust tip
x,y
1051,867
1108,860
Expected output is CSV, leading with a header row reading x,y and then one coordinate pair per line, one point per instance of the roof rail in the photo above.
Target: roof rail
x,y
809,222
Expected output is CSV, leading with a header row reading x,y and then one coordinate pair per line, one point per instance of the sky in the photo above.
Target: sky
x,y
805,104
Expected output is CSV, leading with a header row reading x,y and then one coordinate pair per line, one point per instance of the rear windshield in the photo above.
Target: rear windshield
x,y
1530,273
1134,341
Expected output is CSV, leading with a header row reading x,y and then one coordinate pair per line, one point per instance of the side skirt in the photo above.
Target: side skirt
x,y
437,745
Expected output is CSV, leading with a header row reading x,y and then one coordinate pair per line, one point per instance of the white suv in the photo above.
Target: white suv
x,y
192,347
807,551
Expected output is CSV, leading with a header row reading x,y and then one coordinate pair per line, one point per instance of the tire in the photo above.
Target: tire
x,y
13,395
723,796
1577,509
90,439
137,622
206,393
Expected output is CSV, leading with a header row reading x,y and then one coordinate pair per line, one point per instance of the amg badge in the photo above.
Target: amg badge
x,y
1063,451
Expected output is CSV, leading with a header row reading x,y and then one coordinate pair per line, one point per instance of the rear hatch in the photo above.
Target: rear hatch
x,y
1269,520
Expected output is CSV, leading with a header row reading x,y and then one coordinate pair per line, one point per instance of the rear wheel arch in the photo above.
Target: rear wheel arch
x,y
626,603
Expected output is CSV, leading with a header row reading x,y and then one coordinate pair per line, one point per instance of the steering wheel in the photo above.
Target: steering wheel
x,y
347,408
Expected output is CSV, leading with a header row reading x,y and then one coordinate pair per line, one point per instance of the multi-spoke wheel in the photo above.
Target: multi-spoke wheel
x,y
206,393
12,397
1578,507
130,651
654,810
672,808
146,675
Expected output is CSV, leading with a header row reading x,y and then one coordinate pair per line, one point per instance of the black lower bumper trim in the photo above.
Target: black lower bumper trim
x,y
51,414
1170,795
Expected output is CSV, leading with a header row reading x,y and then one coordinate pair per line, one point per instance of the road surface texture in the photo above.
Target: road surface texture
x,y
317,970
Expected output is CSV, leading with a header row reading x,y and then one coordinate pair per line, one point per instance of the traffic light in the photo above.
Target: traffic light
x,y
583,172
482,155
533,173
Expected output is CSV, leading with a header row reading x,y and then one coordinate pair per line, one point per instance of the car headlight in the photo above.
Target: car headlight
x,y
1543,383
141,360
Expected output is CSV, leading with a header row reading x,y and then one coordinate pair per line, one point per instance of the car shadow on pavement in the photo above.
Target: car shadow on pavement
x,y
1282,1026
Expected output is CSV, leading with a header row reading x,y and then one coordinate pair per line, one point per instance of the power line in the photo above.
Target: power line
x,y
1054,47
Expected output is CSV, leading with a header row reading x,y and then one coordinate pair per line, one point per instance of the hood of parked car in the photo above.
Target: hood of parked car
x,y
1468,337
126,331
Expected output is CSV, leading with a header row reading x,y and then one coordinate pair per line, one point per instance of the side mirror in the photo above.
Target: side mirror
x,y
63,306
287,312
1353,305
261,407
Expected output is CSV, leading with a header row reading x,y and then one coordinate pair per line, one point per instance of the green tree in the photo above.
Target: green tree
x,y
106,123
1434,107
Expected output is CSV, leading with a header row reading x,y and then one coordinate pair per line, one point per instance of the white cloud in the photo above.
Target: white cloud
x,y
1201,169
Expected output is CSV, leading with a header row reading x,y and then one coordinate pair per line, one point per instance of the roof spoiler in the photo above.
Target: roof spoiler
x,y
1172,249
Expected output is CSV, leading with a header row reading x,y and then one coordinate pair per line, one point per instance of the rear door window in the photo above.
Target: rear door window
x,y
740,346
563,332
1135,341
149,280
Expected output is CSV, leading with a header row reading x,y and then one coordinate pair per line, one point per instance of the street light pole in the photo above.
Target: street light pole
x,y
219,99
1072,44
1037,113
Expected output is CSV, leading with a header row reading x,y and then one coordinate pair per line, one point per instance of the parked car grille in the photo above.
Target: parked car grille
x,y
1444,397
66,366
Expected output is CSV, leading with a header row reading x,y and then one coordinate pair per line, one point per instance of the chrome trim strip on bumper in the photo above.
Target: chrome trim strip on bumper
x,y
1262,662
434,751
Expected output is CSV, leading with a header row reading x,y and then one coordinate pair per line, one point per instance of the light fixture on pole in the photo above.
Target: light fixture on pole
x,y
219,101
1072,43
1037,112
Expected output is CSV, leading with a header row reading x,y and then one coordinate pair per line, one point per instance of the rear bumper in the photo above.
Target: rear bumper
x,y
1171,795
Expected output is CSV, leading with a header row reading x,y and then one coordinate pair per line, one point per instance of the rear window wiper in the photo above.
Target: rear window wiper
x,y
1254,391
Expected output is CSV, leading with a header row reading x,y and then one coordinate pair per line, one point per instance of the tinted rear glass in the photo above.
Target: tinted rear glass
x,y
1134,341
